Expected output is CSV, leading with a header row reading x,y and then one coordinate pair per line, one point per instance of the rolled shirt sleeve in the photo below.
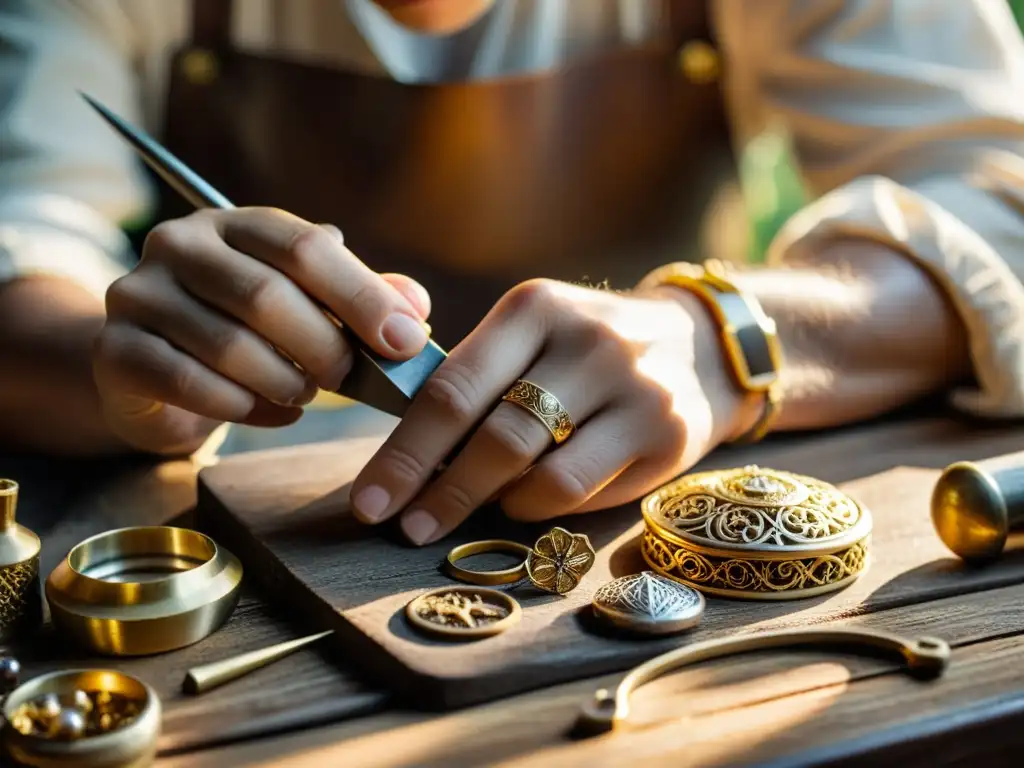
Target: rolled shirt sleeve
x,y
907,117
68,185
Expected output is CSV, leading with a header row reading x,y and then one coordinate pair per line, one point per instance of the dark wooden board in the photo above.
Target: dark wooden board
x,y
285,513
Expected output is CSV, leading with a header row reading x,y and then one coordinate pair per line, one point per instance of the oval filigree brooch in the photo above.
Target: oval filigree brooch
x,y
756,533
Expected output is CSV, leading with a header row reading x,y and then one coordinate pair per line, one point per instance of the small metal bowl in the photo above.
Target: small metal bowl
x,y
131,746
138,591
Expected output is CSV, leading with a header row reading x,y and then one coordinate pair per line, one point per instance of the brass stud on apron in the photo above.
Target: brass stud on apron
x,y
700,62
200,66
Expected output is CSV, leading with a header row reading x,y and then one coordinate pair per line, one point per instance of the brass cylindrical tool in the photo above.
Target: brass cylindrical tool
x,y
977,505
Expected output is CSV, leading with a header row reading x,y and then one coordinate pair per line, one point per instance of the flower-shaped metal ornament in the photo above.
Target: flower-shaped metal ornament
x,y
559,561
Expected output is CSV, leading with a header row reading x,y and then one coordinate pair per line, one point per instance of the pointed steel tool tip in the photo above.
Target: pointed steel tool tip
x,y
109,116
178,176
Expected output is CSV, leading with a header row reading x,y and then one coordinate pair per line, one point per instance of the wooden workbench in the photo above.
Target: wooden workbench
x,y
786,709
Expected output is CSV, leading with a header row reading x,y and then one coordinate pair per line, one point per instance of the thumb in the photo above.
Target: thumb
x,y
412,291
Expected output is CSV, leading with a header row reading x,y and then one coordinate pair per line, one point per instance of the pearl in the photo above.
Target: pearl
x,y
48,706
68,725
10,672
81,701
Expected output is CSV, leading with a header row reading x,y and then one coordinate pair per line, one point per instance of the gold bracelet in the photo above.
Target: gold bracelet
x,y
749,337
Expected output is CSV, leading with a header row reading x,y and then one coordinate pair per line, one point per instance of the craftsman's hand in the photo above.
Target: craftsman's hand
x,y
205,329
642,376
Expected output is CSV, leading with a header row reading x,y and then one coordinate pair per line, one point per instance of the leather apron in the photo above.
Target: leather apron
x,y
599,171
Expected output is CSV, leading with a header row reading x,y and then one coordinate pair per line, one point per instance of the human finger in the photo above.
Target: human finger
x,y
459,394
566,479
131,362
508,442
158,304
257,295
414,293
322,266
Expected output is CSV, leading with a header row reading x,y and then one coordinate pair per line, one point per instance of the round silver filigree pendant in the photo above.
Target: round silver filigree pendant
x,y
649,603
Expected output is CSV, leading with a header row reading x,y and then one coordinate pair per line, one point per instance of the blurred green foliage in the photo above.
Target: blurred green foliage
x,y
1017,6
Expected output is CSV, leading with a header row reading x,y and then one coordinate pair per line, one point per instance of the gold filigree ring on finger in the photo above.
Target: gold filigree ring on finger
x,y
487,578
559,561
545,406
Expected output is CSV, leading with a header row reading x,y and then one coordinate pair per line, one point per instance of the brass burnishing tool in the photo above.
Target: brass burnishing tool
x,y
209,676
82,718
977,505
143,590
21,604
924,658
386,385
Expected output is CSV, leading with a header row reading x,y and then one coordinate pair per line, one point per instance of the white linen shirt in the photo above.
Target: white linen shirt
x,y
907,118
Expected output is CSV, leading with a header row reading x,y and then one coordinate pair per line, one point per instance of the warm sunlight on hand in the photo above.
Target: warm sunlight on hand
x,y
642,377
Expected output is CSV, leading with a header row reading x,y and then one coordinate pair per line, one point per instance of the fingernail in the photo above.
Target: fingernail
x,y
403,334
371,503
423,298
306,396
419,526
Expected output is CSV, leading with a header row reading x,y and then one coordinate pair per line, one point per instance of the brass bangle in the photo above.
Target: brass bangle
x,y
749,339
765,422
487,578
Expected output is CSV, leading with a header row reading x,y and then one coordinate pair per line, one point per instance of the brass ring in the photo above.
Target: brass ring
x,y
545,406
557,562
487,578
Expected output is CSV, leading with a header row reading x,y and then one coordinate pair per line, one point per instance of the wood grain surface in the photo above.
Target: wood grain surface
x,y
797,708
285,513
311,709
66,503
